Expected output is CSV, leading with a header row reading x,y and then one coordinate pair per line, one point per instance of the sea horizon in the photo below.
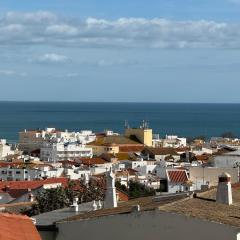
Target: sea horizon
x,y
182,119
137,102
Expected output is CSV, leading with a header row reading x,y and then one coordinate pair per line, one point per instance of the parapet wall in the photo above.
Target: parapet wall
x,y
145,225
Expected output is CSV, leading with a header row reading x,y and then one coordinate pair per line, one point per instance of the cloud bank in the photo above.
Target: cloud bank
x,y
52,58
47,28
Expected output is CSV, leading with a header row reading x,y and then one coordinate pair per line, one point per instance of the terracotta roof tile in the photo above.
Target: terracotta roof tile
x,y
117,140
16,227
32,184
92,161
131,148
122,196
177,176
162,151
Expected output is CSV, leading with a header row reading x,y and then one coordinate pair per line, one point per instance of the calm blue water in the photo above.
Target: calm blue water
x,y
181,119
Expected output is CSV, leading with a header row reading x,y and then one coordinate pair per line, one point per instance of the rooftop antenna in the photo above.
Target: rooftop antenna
x,y
126,125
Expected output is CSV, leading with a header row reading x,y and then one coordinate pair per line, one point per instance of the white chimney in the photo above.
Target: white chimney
x,y
110,200
94,206
99,204
75,204
86,179
224,190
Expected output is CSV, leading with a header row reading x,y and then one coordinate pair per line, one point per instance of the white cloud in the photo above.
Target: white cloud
x,y
62,29
52,58
8,73
235,1
49,29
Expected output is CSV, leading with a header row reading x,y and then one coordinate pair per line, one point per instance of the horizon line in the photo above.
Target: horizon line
x,y
123,102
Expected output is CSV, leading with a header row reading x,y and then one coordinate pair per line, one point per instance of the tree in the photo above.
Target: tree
x,y
121,187
61,197
200,137
94,191
228,135
190,140
137,190
49,200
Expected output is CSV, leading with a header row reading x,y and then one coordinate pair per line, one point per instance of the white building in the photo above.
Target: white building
x,y
30,140
208,176
19,174
230,159
171,141
54,152
26,174
5,149
203,150
77,173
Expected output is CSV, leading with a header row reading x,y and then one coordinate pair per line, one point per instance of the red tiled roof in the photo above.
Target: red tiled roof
x,y
182,149
10,164
131,148
236,185
129,171
16,227
177,176
32,184
92,161
203,157
162,151
122,196
67,162
18,188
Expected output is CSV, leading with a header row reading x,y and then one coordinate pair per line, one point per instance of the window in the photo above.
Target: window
x,y
18,172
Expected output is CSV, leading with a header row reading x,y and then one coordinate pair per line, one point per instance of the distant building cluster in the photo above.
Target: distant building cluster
x,y
198,179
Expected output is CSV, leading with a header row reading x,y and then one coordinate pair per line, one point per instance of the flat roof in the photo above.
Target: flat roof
x,y
146,203
205,207
49,218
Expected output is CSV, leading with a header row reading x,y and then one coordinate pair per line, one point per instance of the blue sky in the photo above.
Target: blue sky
x,y
129,50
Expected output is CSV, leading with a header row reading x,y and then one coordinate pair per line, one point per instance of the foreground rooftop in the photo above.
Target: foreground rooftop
x,y
145,203
204,206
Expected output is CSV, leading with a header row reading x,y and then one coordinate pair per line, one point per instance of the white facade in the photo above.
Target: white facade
x,y
170,141
25,174
19,174
54,152
208,176
100,169
5,149
77,173
203,150
34,139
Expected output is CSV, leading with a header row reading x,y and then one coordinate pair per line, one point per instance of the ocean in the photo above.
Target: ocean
x,y
164,118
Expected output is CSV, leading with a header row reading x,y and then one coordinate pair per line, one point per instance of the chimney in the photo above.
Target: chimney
x,y
75,204
136,208
6,188
95,207
99,205
224,190
86,179
30,195
110,200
